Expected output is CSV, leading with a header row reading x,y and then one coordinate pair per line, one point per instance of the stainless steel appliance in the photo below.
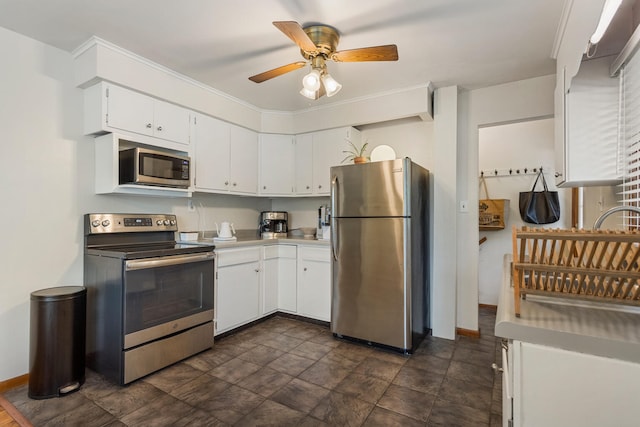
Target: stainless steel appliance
x,y
379,252
153,167
274,224
324,223
149,299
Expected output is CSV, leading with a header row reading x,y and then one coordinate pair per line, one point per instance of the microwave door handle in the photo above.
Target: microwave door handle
x,y
141,264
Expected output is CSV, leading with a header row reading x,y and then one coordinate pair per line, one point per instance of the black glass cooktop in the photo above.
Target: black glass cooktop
x,y
150,250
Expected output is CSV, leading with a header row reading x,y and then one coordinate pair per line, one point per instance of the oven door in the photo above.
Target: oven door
x,y
166,295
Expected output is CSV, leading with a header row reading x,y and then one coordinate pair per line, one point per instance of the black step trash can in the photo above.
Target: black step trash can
x,y
57,341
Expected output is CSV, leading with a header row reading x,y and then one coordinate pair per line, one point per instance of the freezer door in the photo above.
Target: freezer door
x,y
371,298
376,189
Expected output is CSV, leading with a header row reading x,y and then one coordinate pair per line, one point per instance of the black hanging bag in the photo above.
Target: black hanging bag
x,y
539,207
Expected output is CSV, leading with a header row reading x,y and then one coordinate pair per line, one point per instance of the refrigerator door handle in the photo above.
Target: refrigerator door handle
x,y
333,222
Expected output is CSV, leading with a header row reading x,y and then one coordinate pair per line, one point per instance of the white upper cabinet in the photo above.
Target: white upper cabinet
x,y
277,164
586,103
171,122
304,164
588,150
212,151
243,163
328,147
110,108
226,157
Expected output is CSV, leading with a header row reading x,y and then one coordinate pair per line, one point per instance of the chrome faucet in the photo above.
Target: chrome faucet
x,y
601,218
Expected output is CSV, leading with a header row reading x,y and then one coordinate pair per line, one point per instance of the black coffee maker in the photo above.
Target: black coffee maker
x,y
273,224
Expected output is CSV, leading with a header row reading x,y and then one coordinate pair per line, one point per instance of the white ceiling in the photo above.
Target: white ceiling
x,y
470,43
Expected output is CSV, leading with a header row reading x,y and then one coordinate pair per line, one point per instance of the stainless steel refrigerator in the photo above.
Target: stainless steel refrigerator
x,y
379,241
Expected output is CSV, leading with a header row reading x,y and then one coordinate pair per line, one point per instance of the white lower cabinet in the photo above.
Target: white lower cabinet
x,y
279,278
255,281
270,276
237,298
287,278
314,282
554,387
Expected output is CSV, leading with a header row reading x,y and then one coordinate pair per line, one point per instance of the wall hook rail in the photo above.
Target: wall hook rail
x,y
489,173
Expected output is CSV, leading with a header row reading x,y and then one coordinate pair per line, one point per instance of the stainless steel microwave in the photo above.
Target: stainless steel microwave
x,y
151,167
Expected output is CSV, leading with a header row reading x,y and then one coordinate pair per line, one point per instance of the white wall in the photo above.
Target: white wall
x,y
514,146
597,200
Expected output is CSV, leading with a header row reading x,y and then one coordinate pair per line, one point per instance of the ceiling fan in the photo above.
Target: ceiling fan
x,y
318,44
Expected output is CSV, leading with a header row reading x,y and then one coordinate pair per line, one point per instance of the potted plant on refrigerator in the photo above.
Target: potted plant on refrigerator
x,y
355,154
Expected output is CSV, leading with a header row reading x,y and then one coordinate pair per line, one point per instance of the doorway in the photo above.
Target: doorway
x,y
509,156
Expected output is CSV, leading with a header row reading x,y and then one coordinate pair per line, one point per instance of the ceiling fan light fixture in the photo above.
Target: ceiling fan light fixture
x,y
330,84
311,94
311,81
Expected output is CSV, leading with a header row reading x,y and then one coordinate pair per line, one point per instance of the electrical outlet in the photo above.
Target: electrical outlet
x,y
190,206
464,206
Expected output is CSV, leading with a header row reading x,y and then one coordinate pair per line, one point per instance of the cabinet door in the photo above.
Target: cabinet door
x,y
171,122
211,138
554,387
269,285
591,118
129,110
276,164
328,147
314,283
287,280
243,169
560,128
304,164
238,287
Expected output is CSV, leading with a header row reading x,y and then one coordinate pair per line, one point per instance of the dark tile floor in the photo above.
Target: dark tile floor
x,y
288,372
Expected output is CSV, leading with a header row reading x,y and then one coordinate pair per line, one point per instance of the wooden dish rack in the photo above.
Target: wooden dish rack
x,y
600,265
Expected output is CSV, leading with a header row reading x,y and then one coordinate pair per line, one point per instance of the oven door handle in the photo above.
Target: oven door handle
x,y
141,264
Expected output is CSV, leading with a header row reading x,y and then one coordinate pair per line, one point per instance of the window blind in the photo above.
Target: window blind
x,y
630,138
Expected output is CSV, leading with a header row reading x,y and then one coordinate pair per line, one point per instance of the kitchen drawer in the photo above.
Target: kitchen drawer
x,y
314,254
237,256
280,251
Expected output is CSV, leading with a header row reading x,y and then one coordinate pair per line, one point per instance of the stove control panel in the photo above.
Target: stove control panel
x,y
126,223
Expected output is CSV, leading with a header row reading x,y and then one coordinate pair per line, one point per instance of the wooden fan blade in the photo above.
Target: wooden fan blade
x,y
375,53
294,31
259,78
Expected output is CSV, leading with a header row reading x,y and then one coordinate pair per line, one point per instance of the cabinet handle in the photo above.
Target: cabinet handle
x,y
160,128
234,184
149,125
257,270
304,269
558,174
319,186
264,187
308,187
226,183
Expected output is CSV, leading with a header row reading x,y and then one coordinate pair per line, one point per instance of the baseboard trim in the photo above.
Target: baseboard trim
x,y
468,332
13,382
14,413
493,308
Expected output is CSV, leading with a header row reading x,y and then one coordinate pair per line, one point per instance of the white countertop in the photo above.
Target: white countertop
x,y
253,241
595,328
